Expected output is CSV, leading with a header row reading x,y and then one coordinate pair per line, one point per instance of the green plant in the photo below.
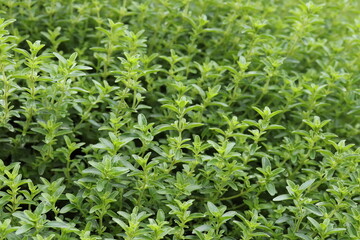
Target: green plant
x,y
156,119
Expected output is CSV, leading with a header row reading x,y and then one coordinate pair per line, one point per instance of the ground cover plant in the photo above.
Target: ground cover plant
x,y
179,119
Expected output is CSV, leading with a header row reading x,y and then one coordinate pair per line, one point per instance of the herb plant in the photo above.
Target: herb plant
x,y
158,119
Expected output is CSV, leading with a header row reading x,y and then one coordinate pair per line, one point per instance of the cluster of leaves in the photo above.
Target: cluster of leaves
x,y
179,119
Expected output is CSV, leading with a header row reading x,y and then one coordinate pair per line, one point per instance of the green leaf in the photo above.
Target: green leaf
x,y
303,236
213,209
265,163
163,127
313,209
56,224
271,189
67,208
315,223
95,208
306,184
282,197
193,125
120,223
336,230
274,126
61,58
23,229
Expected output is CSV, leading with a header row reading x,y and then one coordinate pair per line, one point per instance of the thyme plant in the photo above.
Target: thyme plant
x,y
157,119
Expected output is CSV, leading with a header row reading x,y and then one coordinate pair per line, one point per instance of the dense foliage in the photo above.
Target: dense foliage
x,y
179,119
